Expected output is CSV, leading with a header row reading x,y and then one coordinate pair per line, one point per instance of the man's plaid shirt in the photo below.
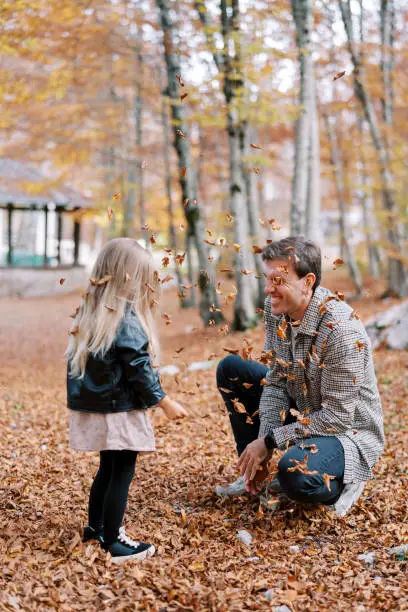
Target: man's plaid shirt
x,y
331,378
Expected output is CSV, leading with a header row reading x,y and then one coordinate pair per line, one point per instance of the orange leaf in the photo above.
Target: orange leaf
x,y
110,308
327,478
183,96
254,146
339,75
61,281
116,196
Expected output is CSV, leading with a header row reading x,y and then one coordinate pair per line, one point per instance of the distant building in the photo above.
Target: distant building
x,y
40,225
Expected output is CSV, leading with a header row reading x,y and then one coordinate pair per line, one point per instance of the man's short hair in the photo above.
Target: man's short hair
x,y
304,255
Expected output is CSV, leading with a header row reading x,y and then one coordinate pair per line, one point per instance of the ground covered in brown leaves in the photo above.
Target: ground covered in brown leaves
x,y
309,560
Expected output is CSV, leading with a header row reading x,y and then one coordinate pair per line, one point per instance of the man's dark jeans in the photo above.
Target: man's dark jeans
x,y
232,372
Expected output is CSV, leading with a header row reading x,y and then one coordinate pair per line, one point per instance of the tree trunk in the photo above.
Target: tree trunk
x,y
302,11
387,21
253,221
338,172
397,272
208,295
367,210
170,207
312,229
244,311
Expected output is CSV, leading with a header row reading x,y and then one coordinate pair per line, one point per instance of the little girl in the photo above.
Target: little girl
x,y
111,382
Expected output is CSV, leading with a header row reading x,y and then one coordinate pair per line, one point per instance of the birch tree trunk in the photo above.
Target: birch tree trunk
x,y
170,207
387,21
369,219
338,171
302,11
240,184
312,228
244,310
208,295
397,272
253,221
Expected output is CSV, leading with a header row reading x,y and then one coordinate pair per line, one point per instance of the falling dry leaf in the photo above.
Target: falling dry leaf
x,y
337,263
183,96
254,146
116,196
339,75
238,406
180,81
61,281
327,478
110,308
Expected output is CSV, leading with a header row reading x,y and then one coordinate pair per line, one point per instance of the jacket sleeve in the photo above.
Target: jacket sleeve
x,y
274,398
342,378
132,352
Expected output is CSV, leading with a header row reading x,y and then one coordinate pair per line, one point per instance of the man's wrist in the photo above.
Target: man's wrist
x,y
270,441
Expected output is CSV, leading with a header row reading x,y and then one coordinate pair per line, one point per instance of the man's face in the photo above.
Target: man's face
x,y
289,293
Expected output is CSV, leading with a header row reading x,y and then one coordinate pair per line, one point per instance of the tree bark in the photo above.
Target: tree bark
x,y
253,221
302,11
397,272
170,206
312,229
369,219
338,172
244,311
208,295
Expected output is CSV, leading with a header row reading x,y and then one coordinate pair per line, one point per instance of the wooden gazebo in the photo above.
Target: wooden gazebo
x,y
18,181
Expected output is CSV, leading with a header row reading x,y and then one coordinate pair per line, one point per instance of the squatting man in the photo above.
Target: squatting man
x,y
317,397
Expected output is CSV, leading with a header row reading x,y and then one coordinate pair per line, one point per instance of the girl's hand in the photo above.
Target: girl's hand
x,y
172,409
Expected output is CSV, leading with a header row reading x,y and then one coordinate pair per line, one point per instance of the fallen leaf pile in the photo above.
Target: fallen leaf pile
x,y
306,559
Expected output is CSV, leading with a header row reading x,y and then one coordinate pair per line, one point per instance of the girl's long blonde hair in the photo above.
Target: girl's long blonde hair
x,y
124,273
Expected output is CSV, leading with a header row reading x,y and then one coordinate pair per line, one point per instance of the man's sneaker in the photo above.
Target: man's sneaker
x,y
349,496
92,534
275,486
125,548
235,488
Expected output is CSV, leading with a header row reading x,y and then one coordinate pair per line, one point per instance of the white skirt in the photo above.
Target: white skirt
x,y
91,431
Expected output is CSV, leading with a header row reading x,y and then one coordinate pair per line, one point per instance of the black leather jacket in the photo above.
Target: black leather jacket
x,y
120,381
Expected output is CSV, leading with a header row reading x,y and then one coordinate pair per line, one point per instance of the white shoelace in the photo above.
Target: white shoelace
x,y
125,539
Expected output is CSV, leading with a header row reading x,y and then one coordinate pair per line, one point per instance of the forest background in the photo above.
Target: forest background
x,y
205,129
208,127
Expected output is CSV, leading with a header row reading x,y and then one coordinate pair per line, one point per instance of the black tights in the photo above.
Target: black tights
x,y
109,492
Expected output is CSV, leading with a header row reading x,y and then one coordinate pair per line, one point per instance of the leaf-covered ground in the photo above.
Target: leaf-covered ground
x,y
308,559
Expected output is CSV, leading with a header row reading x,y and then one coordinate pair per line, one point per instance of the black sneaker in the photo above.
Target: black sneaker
x,y
125,548
92,534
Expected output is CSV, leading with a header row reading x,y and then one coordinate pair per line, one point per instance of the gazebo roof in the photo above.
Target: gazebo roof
x,y
13,175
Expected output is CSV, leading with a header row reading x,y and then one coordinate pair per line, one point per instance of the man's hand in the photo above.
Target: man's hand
x,y
251,459
255,485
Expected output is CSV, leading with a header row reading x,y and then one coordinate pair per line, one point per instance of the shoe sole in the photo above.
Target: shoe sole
x,y
149,552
